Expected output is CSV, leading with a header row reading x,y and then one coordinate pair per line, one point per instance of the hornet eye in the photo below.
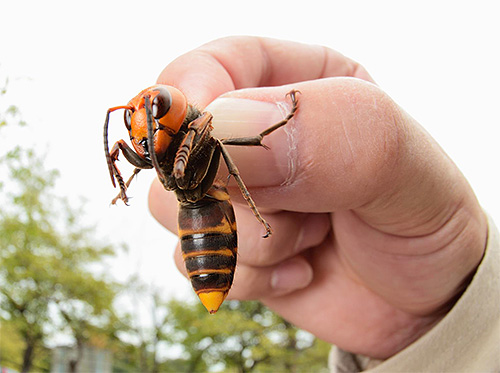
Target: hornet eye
x,y
127,117
161,103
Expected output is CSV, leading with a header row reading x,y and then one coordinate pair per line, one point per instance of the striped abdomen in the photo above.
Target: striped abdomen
x,y
207,230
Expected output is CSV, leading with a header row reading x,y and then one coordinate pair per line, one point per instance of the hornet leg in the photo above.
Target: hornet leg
x,y
257,140
233,170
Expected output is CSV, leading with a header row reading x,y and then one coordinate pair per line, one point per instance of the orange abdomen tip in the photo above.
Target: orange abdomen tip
x,y
212,300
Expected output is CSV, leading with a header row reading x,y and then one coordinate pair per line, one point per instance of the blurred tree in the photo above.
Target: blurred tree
x,y
243,337
11,346
180,336
90,321
148,320
45,256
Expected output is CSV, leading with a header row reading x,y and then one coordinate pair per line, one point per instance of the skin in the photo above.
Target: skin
x,y
376,231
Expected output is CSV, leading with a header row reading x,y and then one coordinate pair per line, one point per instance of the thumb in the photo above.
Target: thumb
x,y
330,156
349,147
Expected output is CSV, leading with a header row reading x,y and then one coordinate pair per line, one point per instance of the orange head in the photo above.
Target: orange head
x,y
168,108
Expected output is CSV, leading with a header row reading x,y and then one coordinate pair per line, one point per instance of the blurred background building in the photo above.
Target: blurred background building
x,y
92,360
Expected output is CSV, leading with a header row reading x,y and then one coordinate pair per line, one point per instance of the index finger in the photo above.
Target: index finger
x,y
242,62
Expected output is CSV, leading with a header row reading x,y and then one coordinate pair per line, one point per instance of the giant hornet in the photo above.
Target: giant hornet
x,y
174,138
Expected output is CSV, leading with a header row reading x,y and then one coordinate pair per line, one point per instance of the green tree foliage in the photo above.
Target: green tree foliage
x,y
143,331
240,337
46,284
244,337
12,346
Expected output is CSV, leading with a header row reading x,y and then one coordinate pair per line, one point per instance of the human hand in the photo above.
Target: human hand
x,y
376,232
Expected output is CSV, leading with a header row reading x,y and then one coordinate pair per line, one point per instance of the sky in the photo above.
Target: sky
x,y
68,62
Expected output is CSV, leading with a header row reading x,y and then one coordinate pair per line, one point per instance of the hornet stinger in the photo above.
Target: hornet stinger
x,y
173,137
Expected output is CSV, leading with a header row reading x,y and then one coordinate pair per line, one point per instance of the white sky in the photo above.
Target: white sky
x,y
69,61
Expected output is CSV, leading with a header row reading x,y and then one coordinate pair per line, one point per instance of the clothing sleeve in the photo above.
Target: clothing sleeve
x,y
467,339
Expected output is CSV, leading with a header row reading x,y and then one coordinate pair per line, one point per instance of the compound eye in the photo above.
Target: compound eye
x,y
127,117
161,103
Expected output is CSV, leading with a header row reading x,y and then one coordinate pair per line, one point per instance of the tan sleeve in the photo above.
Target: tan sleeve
x,y
466,340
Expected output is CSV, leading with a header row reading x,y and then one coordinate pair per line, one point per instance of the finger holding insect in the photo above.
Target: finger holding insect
x,y
318,156
364,154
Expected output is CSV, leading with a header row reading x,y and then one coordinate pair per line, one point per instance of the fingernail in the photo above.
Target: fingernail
x,y
240,117
294,274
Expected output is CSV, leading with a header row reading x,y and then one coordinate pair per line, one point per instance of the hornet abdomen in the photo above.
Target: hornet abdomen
x,y
207,230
